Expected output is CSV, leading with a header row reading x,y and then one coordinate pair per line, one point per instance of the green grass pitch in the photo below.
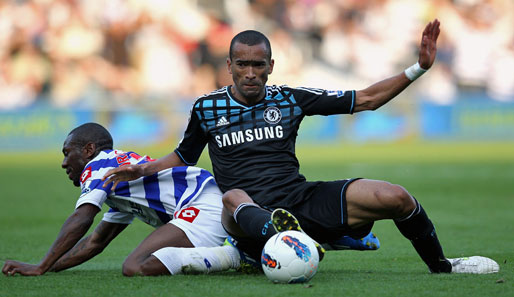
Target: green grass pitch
x,y
467,190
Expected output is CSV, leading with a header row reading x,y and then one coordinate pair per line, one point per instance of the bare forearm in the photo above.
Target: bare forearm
x,y
89,246
168,161
131,172
381,92
79,254
72,230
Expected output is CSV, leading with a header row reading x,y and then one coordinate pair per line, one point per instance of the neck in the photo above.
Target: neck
x,y
247,100
94,155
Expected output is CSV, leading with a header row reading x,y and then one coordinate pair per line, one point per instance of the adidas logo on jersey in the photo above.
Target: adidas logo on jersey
x,y
222,122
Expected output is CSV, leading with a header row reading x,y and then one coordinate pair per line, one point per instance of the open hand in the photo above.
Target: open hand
x,y
122,173
12,267
428,47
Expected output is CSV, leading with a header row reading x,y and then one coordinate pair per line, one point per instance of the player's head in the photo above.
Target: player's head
x,y
81,146
250,37
250,63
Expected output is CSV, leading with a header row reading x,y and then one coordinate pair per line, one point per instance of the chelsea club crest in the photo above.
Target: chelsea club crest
x,y
272,115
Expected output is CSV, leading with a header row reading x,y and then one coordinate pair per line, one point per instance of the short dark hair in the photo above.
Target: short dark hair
x,y
92,132
250,37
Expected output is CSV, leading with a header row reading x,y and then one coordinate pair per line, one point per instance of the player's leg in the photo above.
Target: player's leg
x,y
371,200
244,218
169,248
141,261
249,224
252,225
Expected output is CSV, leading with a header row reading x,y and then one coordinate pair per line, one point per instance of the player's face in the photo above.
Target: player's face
x,y
74,160
249,67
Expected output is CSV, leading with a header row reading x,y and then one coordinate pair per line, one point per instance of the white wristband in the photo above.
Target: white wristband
x,y
414,71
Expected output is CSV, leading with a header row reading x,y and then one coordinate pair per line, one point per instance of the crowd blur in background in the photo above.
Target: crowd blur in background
x,y
129,53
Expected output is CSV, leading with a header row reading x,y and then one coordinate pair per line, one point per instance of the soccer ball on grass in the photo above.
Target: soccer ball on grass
x,y
290,257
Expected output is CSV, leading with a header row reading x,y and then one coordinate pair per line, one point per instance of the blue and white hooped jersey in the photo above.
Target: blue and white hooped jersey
x,y
155,199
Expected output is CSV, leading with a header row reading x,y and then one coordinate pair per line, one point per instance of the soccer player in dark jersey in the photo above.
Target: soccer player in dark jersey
x,y
251,131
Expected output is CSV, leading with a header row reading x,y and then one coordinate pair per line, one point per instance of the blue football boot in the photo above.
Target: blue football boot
x,y
368,243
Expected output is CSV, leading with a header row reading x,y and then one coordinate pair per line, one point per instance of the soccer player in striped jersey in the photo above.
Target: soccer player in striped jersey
x,y
251,130
183,204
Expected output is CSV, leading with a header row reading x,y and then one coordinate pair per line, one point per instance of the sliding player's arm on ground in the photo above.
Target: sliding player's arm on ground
x,y
71,232
132,172
382,92
89,246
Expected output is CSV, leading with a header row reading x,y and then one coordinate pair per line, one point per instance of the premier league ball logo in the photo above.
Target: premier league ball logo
x,y
290,257
272,115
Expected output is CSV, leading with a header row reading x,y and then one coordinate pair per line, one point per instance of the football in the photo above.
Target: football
x,y
290,257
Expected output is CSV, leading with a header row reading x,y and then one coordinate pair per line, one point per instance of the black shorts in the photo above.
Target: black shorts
x,y
324,215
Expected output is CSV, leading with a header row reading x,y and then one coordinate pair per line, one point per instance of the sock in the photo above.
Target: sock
x,y
199,260
255,222
418,228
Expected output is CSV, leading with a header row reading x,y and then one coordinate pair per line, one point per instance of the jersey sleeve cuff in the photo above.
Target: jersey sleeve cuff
x,y
183,160
95,197
82,202
353,102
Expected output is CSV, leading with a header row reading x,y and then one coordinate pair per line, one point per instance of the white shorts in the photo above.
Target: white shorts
x,y
201,218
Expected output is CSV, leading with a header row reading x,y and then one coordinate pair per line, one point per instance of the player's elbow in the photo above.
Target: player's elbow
x,y
374,106
366,103
371,104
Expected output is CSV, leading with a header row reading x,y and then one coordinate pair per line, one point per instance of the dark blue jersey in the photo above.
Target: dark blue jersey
x,y
253,147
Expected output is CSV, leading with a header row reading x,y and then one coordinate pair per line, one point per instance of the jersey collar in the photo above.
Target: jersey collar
x,y
233,98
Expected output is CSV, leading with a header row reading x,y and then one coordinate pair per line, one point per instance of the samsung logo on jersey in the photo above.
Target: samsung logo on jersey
x,y
249,135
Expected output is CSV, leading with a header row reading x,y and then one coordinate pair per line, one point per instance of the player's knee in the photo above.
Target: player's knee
x,y
130,269
152,266
146,270
233,198
397,200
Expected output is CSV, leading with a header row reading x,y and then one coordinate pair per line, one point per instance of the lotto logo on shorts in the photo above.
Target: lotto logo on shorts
x,y
189,214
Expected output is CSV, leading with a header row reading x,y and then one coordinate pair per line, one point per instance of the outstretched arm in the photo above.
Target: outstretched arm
x,y
89,246
382,92
72,230
132,172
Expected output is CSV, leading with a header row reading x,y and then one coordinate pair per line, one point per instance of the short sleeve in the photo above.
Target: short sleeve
x,y
91,184
192,144
93,193
324,102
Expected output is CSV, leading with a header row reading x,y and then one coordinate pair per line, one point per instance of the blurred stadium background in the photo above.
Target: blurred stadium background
x,y
136,66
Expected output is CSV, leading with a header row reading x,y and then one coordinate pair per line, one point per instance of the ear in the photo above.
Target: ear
x,y
229,63
271,64
89,150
